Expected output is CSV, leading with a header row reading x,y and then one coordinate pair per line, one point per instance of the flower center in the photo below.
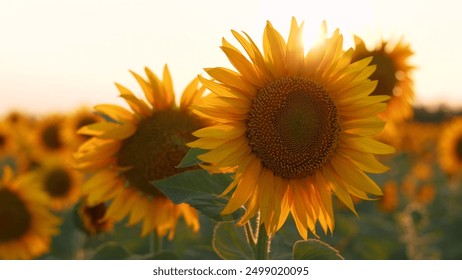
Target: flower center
x,y
293,126
158,145
58,183
14,217
50,137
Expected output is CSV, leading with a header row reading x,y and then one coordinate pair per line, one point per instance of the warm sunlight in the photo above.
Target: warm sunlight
x,y
58,54
246,130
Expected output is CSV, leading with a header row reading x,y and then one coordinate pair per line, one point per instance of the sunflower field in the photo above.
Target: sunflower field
x,y
292,153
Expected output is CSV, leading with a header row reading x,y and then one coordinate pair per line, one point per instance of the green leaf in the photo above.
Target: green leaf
x,y
201,190
230,242
314,249
111,251
190,159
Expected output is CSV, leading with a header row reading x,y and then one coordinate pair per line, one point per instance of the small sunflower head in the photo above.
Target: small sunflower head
x,y
393,75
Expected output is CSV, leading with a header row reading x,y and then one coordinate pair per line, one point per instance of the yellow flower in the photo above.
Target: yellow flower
x,y
92,218
47,137
418,138
126,154
393,74
78,119
59,181
450,147
297,128
26,224
7,140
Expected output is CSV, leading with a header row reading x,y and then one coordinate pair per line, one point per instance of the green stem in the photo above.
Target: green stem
x,y
155,243
250,235
263,244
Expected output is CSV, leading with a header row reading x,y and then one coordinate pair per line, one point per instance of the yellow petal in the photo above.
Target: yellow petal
x,y
191,94
146,87
120,133
116,113
169,93
136,104
242,65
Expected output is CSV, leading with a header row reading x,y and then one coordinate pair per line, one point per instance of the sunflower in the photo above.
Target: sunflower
x,y
132,149
296,127
80,118
19,120
7,141
450,147
59,180
393,74
92,218
47,137
26,224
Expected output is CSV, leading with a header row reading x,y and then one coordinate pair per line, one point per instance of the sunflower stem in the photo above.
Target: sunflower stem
x,y
155,243
250,235
262,247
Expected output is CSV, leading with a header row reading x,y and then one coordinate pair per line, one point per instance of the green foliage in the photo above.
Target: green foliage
x,y
190,159
201,190
314,249
230,242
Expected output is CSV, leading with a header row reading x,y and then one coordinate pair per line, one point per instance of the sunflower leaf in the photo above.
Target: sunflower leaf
x,y
190,159
201,190
314,249
229,242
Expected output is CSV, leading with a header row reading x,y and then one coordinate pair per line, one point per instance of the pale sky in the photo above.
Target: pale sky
x,y
58,55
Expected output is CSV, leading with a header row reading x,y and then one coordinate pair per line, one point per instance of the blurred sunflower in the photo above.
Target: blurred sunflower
x,y
92,218
7,141
133,149
18,119
390,199
297,127
47,137
74,122
26,224
59,180
393,74
450,147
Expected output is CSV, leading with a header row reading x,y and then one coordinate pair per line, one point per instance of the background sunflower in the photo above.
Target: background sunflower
x,y
26,224
132,149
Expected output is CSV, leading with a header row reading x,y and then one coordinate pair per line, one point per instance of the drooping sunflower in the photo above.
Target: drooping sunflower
x,y
296,126
59,180
26,224
138,147
394,76
450,147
